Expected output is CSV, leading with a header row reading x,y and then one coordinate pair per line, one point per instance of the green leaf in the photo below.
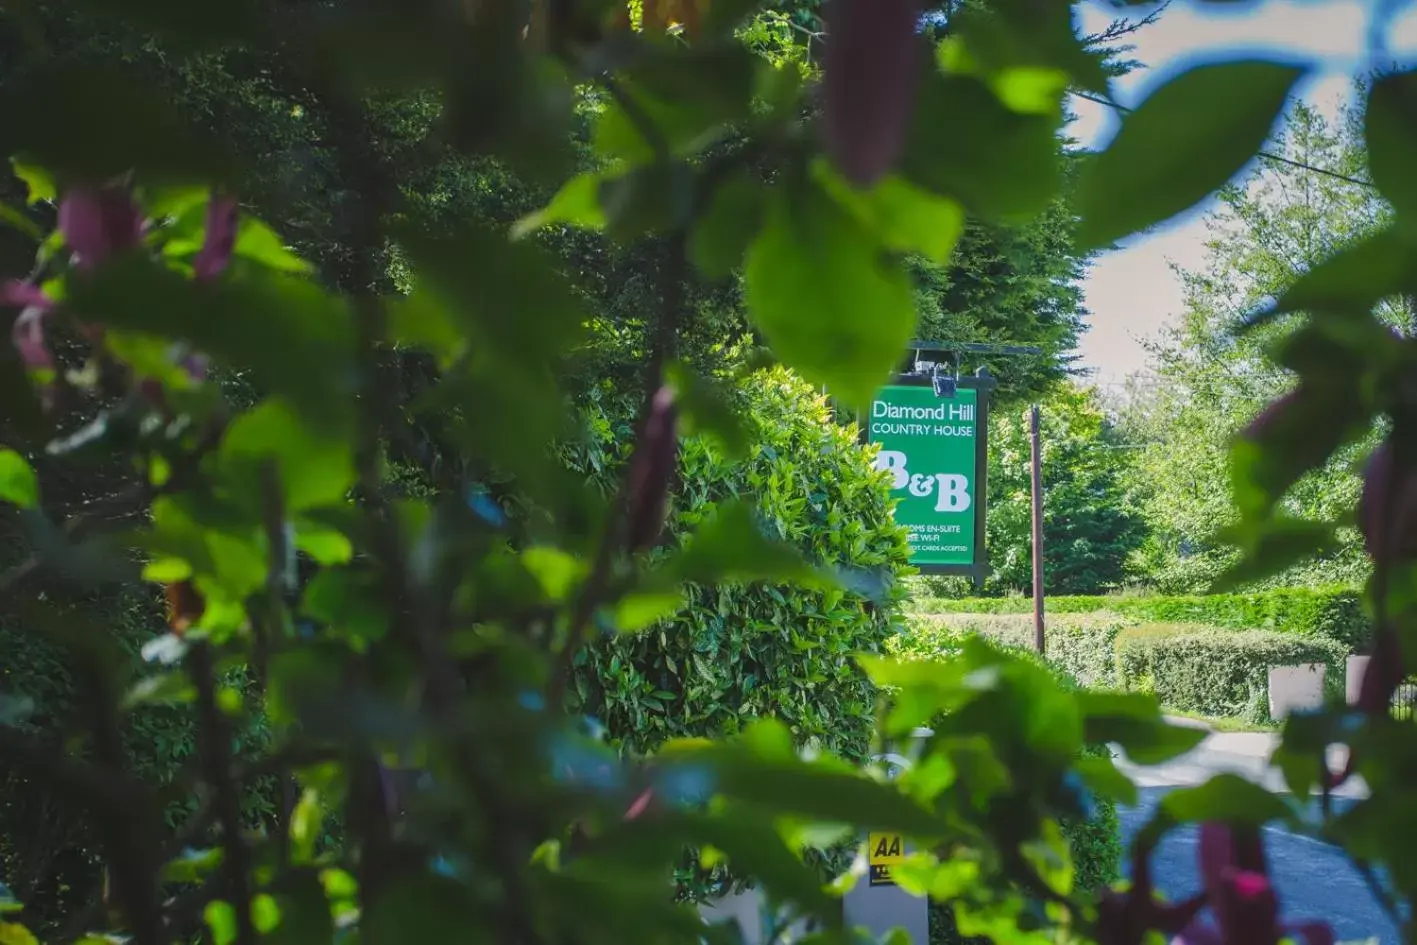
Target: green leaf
x,y
826,794
172,688
903,217
677,99
556,571
1351,281
328,546
1296,435
221,919
636,611
1187,139
18,221
296,339
1103,778
646,200
705,409
19,485
1134,722
315,468
306,821
37,181
832,307
193,866
513,302
1390,132
731,547
577,203
415,907
966,144
54,113
348,602
722,233
259,243
1228,798
1271,546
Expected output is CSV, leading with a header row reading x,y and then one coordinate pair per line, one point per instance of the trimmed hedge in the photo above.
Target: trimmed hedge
x,y
1334,613
1082,645
1191,668
1217,672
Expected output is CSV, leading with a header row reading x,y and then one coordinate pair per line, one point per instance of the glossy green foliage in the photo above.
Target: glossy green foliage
x,y
731,654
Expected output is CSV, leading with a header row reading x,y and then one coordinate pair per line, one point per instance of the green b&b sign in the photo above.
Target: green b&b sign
x,y
934,447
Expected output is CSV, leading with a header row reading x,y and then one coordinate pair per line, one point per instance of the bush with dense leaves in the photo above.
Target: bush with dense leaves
x,y
1335,613
730,654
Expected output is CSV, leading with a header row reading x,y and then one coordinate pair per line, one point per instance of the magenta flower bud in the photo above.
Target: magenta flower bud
x,y
99,223
652,471
1242,900
220,239
871,70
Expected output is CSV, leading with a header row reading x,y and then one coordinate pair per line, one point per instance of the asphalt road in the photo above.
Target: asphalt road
x,y
1315,880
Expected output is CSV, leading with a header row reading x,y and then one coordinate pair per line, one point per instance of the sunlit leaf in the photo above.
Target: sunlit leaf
x,y
732,547
1182,143
810,277
1228,798
1272,546
19,485
904,217
315,468
966,144
704,407
577,203
723,231
1390,132
1134,722
36,179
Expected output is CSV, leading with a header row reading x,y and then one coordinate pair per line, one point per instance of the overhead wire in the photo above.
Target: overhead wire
x,y
1267,155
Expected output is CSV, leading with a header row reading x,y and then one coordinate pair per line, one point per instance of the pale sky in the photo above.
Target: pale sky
x,y
1132,292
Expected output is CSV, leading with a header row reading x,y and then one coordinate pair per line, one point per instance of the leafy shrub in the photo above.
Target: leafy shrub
x,y
1217,672
1333,613
731,654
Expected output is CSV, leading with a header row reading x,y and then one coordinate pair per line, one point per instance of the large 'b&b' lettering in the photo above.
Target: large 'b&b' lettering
x,y
951,490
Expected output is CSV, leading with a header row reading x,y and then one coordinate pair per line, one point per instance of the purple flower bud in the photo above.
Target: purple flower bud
x,y
1242,899
220,240
870,77
99,223
652,471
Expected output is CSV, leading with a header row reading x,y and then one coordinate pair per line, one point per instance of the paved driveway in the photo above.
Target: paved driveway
x,y
1315,880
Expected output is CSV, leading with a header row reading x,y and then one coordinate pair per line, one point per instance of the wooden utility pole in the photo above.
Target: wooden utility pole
x,y
1036,461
